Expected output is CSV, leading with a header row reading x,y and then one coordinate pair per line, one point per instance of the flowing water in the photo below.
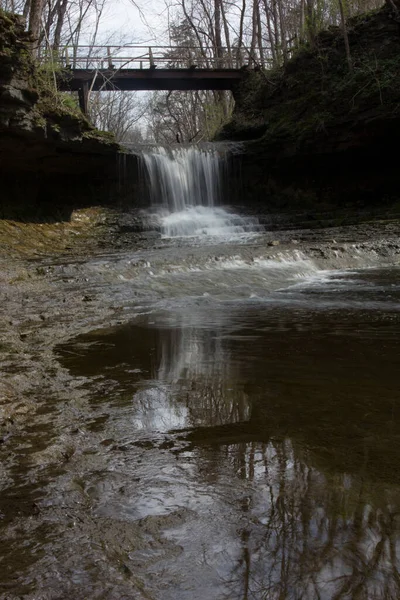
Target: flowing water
x,y
235,436
186,189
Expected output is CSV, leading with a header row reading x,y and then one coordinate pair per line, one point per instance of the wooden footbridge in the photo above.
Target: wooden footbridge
x,y
110,68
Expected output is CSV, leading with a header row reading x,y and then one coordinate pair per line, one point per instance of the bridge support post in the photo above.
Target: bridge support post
x,y
109,59
83,94
151,58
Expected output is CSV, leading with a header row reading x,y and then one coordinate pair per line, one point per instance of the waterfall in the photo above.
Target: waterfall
x,y
186,185
184,177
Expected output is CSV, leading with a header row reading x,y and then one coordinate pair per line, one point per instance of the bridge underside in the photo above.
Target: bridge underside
x,y
152,79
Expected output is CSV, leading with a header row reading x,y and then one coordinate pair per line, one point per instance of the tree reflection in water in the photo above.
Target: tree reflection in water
x,y
304,413
199,369
312,535
322,520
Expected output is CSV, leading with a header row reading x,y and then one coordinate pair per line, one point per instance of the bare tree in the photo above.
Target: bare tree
x,y
35,17
117,112
345,36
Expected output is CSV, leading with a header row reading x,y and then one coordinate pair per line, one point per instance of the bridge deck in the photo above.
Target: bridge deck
x,y
151,79
110,68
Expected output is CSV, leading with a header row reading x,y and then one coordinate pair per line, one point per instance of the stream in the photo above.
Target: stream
x,y
214,416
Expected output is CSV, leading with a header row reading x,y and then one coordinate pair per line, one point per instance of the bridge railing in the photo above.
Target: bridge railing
x,y
163,57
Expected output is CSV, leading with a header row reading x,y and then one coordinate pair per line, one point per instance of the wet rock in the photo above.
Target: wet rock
x,y
144,444
274,243
166,445
55,454
14,410
150,235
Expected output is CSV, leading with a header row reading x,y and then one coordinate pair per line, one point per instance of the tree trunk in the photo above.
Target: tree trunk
x,y
311,29
26,10
218,36
60,22
253,57
226,33
302,21
270,34
259,36
51,13
35,16
240,40
282,24
276,28
345,36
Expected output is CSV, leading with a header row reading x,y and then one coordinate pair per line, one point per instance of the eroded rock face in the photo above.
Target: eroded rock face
x,y
314,132
51,159
17,98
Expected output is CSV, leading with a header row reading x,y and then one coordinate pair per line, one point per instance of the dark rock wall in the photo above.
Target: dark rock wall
x,y
51,159
316,135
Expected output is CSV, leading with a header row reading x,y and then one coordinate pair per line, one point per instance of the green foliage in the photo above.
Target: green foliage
x,y
45,78
69,102
55,113
51,101
14,46
106,136
214,118
40,121
8,22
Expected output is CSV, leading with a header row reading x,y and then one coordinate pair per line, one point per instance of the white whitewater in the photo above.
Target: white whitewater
x,y
186,190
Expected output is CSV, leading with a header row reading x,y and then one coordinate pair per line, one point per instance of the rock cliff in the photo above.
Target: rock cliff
x,y
316,134
49,152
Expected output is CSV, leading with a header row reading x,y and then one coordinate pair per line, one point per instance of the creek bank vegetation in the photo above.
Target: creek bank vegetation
x,y
319,134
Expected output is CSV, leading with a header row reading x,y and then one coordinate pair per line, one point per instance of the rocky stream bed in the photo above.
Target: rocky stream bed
x,y
63,429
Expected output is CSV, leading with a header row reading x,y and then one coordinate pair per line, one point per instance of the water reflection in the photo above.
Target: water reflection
x,y
309,534
168,378
290,425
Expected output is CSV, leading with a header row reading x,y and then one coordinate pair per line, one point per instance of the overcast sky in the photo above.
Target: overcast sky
x,y
144,25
